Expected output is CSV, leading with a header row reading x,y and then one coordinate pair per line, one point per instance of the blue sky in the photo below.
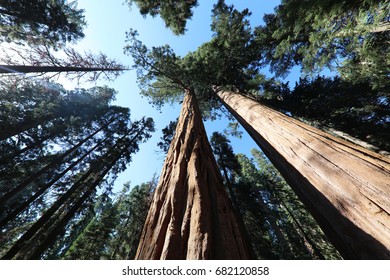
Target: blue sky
x,y
107,23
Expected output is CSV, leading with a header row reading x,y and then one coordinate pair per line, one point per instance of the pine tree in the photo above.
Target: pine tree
x,y
42,194
175,14
52,22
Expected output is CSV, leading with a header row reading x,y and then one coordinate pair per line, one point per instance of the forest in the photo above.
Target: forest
x,y
315,185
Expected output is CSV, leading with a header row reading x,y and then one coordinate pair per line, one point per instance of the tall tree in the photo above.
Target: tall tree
x,y
43,61
174,13
164,77
99,142
343,185
220,62
190,216
54,22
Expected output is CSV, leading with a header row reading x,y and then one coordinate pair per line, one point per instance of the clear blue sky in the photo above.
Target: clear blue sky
x,y
107,23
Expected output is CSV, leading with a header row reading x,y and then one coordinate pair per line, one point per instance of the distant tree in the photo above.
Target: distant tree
x,y
45,188
168,133
174,13
115,230
93,241
43,61
54,22
133,208
301,230
230,167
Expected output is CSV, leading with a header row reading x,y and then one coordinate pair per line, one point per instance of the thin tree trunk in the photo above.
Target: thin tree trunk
x,y
48,69
55,163
311,245
191,216
345,187
45,187
34,237
280,236
238,213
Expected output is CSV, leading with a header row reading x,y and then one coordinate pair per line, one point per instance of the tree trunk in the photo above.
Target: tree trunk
x,y
280,236
32,242
54,164
15,212
345,187
4,69
191,216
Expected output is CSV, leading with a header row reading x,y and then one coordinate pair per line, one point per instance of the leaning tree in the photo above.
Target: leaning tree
x,y
75,142
45,62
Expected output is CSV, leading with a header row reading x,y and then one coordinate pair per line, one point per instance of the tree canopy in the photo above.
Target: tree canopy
x,y
174,13
229,59
58,147
350,36
52,21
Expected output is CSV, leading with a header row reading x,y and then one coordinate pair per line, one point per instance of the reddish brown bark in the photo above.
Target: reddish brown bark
x,y
346,187
191,216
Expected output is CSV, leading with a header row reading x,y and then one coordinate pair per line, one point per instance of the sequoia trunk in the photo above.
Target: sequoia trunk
x,y
346,187
191,216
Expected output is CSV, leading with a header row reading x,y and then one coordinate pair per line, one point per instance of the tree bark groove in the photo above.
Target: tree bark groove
x,y
346,187
191,216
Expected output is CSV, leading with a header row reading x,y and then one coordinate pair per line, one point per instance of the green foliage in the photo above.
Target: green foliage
x,y
133,208
51,21
58,148
91,244
233,129
168,133
224,154
229,59
174,13
348,35
115,230
278,224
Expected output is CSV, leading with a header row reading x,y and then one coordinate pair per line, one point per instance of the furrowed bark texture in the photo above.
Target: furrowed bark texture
x,y
191,216
346,187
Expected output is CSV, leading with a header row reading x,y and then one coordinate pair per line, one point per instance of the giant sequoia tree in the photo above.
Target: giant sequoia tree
x,y
190,216
332,177
62,147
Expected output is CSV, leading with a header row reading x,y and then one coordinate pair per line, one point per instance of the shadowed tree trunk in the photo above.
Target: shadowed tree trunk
x,y
345,187
191,216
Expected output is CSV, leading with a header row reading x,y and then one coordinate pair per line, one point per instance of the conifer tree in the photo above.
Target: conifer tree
x,y
48,188
226,66
33,22
175,14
